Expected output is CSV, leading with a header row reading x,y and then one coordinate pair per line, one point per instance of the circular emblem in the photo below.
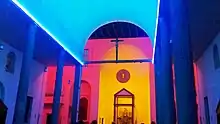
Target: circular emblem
x,y
123,76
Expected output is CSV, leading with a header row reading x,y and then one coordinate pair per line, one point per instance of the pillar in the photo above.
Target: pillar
x,y
19,113
166,113
167,74
157,67
58,88
76,93
183,63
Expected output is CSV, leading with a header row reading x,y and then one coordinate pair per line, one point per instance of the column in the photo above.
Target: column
x,y
164,79
183,63
19,113
58,88
157,67
167,74
76,93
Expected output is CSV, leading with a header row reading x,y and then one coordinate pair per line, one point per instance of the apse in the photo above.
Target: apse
x,y
136,82
71,22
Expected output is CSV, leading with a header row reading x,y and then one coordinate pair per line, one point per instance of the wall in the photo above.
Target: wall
x,y
37,90
143,44
10,82
139,84
91,74
208,78
67,81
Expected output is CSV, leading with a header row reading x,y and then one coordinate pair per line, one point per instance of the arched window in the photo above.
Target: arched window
x,y
83,108
10,62
2,91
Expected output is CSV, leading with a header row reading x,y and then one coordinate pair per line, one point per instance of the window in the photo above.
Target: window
x,y
10,62
28,109
216,57
86,56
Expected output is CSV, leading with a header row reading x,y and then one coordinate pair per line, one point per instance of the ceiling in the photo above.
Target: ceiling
x,y
71,22
204,18
15,33
204,26
14,29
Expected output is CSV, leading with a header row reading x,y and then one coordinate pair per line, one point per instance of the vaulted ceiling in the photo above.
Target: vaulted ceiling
x,y
204,23
204,26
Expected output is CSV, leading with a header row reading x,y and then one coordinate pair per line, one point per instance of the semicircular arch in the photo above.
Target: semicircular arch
x,y
113,21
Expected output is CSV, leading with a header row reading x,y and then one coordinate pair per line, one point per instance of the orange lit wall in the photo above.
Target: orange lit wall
x,y
139,84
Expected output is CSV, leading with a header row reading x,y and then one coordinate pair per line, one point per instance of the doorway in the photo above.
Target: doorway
x,y
218,112
2,91
49,118
124,107
207,115
3,112
83,109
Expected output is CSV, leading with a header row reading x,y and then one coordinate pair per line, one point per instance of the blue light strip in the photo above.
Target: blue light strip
x,y
46,30
155,35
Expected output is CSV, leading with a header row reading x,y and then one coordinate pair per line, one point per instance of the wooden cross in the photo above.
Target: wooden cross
x,y
116,41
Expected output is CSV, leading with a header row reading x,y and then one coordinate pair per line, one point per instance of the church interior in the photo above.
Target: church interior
x,y
110,89
119,67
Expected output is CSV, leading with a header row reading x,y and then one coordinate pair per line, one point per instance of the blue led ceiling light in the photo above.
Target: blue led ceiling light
x,y
155,35
70,22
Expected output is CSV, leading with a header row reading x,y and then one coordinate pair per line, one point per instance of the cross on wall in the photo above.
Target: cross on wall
x,y
116,41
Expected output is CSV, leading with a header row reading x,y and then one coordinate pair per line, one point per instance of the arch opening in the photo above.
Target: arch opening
x,y
84,101
115,23
115,32
136,45
111,26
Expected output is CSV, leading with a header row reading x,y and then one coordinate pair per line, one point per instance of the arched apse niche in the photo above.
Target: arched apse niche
x,y
115,21
138,84
2,91
136,23
111,30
